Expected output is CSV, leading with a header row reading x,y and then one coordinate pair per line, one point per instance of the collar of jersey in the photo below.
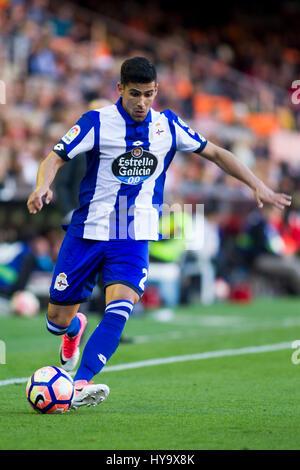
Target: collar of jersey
x,y
127,117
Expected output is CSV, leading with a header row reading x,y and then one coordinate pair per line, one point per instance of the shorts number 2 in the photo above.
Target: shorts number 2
x,y
144,279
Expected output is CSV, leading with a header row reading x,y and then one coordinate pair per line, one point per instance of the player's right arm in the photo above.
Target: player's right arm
x,y
45,176
80,138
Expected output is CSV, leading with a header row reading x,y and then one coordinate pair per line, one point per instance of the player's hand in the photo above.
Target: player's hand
x,y
37,198
263,194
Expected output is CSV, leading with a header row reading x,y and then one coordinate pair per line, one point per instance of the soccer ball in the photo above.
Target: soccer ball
x,y
25,303
50,390
222,289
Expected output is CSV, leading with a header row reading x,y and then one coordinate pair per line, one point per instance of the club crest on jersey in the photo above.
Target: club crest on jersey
x,y
61,282
71,134
135,166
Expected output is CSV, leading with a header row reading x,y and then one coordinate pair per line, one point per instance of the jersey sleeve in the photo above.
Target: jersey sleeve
x,y
79,139
187,140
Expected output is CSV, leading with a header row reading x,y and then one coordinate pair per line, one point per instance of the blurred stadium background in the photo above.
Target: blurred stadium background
x,y
229,71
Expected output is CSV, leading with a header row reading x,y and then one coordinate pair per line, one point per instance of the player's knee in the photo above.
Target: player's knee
x,y
135,298
61,315
121,292
132,298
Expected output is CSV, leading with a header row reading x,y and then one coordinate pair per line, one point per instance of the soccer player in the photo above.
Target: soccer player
x,y
129,147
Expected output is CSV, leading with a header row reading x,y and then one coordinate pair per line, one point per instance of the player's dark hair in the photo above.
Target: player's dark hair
x,y
137,70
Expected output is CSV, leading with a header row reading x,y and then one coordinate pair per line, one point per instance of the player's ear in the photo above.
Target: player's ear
x,y
120,88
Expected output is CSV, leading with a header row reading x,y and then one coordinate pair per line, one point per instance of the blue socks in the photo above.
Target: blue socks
x,y
74,327
71,330
103,342
105,339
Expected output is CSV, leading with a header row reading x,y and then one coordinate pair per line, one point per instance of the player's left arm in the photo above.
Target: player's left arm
x,y
228,162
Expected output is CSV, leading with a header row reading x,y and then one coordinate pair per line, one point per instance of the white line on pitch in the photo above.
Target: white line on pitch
x,y
175,359
234,329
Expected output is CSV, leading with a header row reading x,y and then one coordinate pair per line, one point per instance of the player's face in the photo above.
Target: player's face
x,y
137,98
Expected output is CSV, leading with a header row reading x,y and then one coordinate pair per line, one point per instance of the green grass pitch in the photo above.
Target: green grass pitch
x,y
242,401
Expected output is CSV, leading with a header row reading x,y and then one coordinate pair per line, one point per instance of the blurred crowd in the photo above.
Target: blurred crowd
x,y
232,83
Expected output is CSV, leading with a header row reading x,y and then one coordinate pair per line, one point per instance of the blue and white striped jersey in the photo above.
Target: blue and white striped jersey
x,y
121,194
